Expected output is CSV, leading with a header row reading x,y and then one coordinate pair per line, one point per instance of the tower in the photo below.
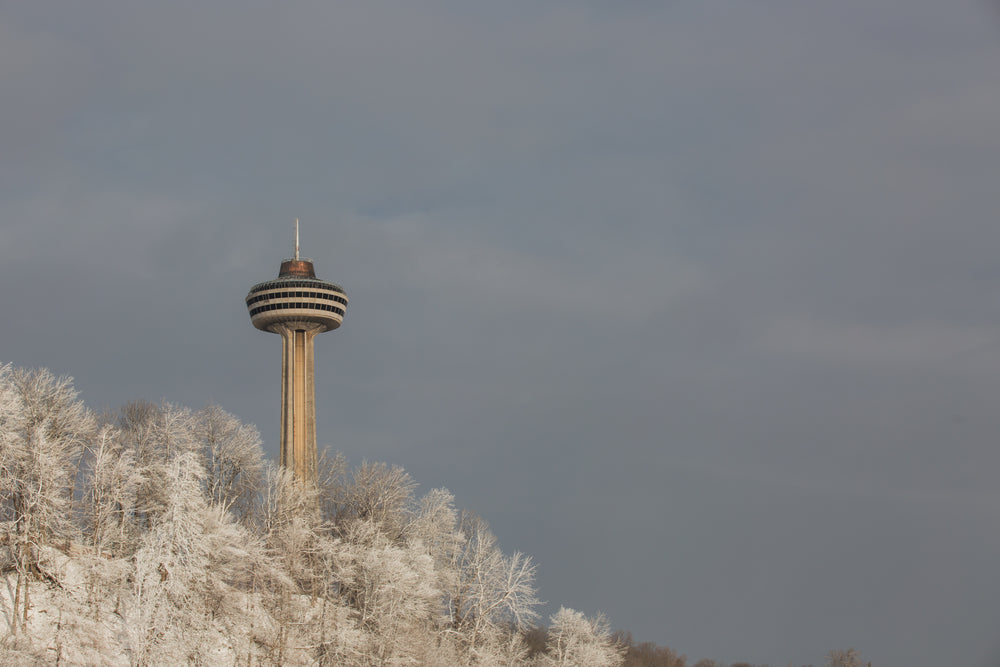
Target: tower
x,y
297,305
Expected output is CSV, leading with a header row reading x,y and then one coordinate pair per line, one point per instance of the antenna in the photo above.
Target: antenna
x,y
296,238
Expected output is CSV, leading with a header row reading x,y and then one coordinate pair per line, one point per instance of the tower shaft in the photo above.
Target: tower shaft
x,y
298,399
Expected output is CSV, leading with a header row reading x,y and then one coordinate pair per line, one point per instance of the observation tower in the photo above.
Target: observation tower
x,y
297,305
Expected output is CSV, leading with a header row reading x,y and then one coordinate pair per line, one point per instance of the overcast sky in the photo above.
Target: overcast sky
x,y
697,302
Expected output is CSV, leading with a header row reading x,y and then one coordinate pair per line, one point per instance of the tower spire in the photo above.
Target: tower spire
x,y
296,238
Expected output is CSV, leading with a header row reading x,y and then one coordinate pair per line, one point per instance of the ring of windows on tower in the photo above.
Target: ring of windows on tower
x,y
295,295
297,305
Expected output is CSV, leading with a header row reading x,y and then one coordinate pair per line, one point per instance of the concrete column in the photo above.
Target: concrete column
x,y
310,405
298,399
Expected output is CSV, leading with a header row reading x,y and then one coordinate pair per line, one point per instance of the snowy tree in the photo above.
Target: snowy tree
x,y
434,531
191,575
490,593
138,426
155,434
38,466
435,527
285,515
162,612
232,456
379,494
12,420
577,640
332,486
843,658
111,488
392,588
313,621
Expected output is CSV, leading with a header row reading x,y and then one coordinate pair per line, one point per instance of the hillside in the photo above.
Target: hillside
x,y
159,535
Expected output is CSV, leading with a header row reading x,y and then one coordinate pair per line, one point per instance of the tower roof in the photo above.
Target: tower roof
x,y
297,268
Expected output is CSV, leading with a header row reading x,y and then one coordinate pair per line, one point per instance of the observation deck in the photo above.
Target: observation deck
x,y
296,295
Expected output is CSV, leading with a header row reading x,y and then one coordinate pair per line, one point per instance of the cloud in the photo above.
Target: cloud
x,y
593,281
940,345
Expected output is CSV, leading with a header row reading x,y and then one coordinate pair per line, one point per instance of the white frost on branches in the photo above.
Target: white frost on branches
x,y
160,536
575,640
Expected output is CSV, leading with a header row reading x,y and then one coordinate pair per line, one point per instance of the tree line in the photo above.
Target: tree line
x,y
161,535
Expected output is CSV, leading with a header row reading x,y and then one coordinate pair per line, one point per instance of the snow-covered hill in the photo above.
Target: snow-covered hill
x,y
159,536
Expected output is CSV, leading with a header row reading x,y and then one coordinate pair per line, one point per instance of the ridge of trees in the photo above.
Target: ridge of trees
x,y
160,535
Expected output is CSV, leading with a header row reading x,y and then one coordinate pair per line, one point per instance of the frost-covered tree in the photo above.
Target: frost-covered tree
x,y
139,426
38,466
378,494
111,485
192,574
490,593
12,420
285,515
332,486
843,658
392,588
312,622
155,434
435,527
433,530
163,613
232,456
577,640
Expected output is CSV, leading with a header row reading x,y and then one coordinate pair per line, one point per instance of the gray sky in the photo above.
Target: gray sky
x,y
698,303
